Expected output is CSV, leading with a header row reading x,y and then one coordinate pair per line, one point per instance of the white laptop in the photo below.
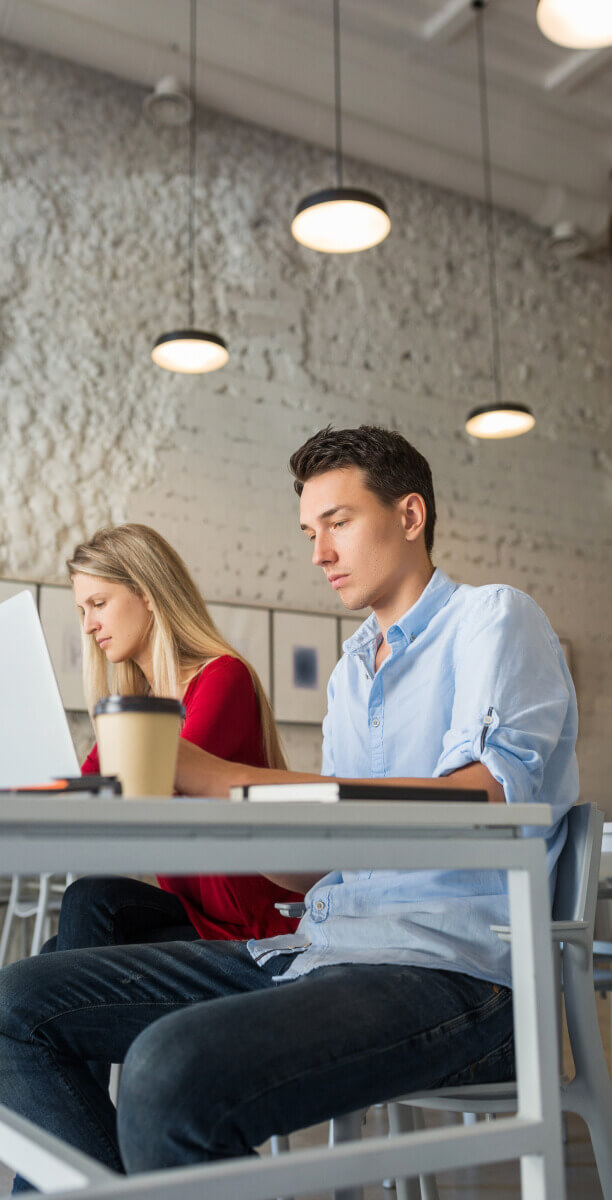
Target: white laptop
x,y
35,741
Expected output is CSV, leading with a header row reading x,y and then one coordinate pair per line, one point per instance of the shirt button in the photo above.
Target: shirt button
x,y
412,636
376,722
319,904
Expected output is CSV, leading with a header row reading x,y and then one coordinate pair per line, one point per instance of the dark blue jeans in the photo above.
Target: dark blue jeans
x,y
218,1057
111,910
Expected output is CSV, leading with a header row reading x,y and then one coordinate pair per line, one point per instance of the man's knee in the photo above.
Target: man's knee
x,y
86,917
92,891
175,1105
150,1098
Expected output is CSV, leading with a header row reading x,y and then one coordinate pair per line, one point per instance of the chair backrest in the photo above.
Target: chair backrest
x,y
578,866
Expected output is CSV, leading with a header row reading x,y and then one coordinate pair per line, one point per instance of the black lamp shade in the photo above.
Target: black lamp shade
x,y
499,421
340,220
190,351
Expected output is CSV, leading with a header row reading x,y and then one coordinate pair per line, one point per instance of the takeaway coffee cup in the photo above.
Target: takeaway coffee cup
x,y
138,741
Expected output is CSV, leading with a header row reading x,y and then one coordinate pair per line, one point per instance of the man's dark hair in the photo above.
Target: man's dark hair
x,y
392,467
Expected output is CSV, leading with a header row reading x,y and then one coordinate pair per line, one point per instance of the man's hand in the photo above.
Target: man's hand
x,y
474,775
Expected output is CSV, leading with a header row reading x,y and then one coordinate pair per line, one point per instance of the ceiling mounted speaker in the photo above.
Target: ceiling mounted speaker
x,y
167,106
566,241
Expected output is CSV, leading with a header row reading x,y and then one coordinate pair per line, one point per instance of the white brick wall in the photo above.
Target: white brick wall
x,y
92,222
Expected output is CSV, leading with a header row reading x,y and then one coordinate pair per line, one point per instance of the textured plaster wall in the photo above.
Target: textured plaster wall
x,y
92,269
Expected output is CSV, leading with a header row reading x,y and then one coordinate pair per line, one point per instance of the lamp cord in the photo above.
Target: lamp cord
x,y
479,6
338,92
192,155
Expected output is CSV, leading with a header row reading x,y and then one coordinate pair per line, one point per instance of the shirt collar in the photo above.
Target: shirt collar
x,y
437,593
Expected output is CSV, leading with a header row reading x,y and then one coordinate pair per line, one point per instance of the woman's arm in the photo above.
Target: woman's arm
x,y
199,773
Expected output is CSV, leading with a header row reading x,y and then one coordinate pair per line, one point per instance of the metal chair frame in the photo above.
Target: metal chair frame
x,y
38,897
589,1092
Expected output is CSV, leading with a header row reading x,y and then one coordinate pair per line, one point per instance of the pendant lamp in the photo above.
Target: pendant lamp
x,y
498,419
340,220
190,351
577,24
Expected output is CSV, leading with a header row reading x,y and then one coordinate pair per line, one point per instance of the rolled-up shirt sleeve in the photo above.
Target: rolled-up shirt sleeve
x,y
511,699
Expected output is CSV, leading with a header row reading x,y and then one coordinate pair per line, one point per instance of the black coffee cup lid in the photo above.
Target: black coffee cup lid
x,y
138,704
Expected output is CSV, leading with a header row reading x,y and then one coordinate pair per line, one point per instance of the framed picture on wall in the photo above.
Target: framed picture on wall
x,y
248,631
10,587
60,624
305,652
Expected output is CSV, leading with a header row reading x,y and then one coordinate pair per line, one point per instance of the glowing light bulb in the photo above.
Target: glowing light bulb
x,y
577,24
506,422
340,221
190,352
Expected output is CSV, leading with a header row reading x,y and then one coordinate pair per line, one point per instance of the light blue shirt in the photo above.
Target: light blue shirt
x,y
474,674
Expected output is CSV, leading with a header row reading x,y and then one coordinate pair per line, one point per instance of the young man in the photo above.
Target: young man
x,y
394,981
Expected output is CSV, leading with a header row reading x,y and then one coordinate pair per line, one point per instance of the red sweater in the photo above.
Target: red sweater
x,y
222,717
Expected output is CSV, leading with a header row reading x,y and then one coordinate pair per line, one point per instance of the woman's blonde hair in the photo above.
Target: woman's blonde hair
x,y
184,638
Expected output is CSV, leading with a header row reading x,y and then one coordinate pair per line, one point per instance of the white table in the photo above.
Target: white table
x,y
199,836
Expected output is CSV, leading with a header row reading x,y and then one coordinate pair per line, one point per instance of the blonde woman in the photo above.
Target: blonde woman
x,y
146,630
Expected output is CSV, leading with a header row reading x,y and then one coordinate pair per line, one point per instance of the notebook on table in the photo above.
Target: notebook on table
x,y
332,790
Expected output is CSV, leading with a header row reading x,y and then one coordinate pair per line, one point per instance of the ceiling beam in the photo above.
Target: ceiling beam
x,y
448,23
576,69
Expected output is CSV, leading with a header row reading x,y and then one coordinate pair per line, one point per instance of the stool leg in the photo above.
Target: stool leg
x,y
41,914
114,1081
347,1129
9,918
279,1144
404,1118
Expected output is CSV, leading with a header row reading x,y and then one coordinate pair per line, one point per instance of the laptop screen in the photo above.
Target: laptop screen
x,y
35,741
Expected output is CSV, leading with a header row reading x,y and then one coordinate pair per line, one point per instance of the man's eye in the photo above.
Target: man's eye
x,y
99,604
339,524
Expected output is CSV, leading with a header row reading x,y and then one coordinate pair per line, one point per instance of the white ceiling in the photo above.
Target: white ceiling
x,y
410,97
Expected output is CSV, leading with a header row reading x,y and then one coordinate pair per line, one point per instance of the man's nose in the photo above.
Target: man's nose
x,y
322,551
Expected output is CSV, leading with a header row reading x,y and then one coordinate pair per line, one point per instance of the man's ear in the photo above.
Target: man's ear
x,y
413,515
